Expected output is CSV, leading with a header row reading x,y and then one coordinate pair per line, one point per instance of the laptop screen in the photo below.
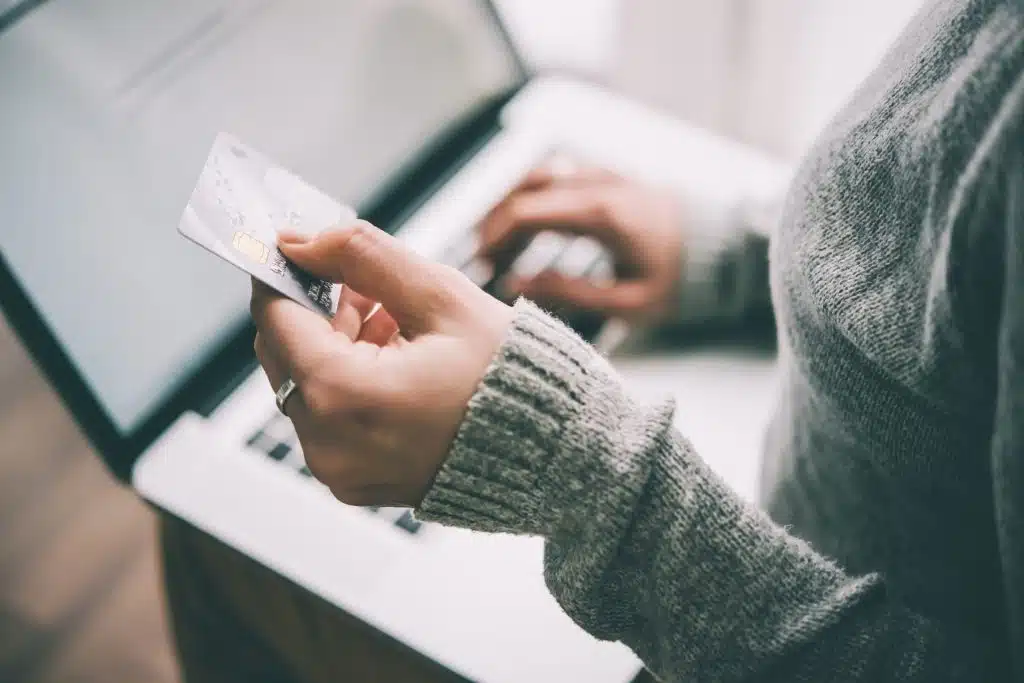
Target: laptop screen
x,y
110,108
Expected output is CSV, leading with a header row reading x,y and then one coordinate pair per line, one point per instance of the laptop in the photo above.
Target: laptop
x,y
421,114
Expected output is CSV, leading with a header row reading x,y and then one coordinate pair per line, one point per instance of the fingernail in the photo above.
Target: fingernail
x,y
288,236
373,311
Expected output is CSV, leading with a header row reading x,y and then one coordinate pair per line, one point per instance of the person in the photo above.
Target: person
x,y
890,543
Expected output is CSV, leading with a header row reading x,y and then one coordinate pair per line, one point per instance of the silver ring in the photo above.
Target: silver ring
x,y
284,393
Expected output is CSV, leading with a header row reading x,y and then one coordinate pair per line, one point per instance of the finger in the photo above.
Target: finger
x,y
538,178
353,309
413,290
574,210
562,169
621,299
297,337
559,169
379,329
274,369
272,365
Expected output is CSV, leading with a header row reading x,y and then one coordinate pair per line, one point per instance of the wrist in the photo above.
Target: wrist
x,y
495,475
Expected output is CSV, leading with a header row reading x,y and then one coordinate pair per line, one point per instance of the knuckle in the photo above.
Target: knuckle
x,y
330,393
516,206
321,402
362,229
608,207
442,291
363,237
322,395
514,214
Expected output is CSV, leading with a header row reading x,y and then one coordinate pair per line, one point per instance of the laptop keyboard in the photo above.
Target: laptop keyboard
x,y
276,439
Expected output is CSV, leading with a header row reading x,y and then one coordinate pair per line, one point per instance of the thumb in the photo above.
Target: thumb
x,y
375,264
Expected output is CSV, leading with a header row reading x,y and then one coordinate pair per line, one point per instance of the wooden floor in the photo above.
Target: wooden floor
x,y
79,577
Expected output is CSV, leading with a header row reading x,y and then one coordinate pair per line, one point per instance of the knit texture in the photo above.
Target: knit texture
x,y
891,542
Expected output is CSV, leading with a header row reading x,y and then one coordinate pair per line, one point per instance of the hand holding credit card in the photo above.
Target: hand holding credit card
x,y
242,201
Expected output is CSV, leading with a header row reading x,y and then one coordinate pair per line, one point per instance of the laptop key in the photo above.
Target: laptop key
x,y
542,251
540,254
408,523
262,442
280,451
602,271
579,257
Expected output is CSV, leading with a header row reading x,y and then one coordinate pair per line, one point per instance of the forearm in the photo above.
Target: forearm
x,y
647,546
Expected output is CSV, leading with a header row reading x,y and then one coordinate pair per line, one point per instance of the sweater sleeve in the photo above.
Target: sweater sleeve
x,y
646,545
1008,439
724,275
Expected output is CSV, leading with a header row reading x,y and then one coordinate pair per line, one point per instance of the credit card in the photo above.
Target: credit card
x,y
240,203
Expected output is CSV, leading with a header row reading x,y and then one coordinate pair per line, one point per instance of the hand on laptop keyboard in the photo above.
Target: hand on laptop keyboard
x,y
549,233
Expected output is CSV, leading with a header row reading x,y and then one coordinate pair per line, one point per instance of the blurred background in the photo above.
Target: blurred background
x,y
79,582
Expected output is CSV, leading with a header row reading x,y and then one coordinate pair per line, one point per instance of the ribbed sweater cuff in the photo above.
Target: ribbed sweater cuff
x,y
495,476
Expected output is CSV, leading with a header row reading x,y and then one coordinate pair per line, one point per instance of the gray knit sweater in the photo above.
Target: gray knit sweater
x,y
892,543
